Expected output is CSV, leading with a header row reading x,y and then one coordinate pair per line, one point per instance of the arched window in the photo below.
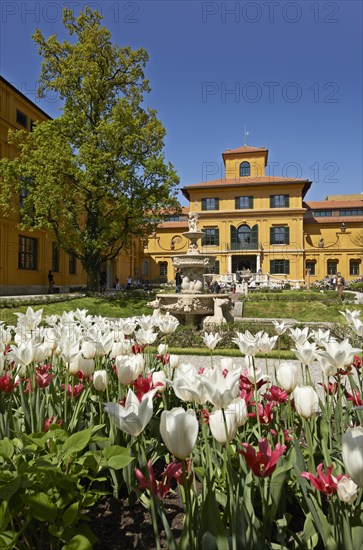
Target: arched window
x,y
244,234
244,169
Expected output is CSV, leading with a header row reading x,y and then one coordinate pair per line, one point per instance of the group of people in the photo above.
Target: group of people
x,y
337,282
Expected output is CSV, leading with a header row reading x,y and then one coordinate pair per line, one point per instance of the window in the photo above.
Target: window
x,y
244,234
28,253
281,267
332,267
172,219
211,236
55,257
145,268
72,263
279,201
322,213
353,212
21,119
23,193
241,203
279,235
214,269
354,267
210,204
244,169
163,269
310,264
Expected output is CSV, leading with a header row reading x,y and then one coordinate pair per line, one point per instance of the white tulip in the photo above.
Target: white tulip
x,y
159,377
280,328
31,319
247,343
357,327
218,389
339,354
179,431
350,315
306,401
88,350
287,375
87,366
129,367
145,337
135,415
347,490
211,340
306,352
173,361
352,450
100,380
168,324
218,426
266,343
162,349
23,354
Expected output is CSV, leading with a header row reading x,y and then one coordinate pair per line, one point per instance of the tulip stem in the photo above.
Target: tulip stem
x,y
309,440
154,516
188,506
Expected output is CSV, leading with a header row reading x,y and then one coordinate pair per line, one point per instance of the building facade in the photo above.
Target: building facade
x,y
262,223
250,220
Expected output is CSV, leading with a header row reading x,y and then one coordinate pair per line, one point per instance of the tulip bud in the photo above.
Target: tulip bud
x,y
162,349
88,350
179,431
287,376
306,401
87,366
352,450
218,426
159,378
347,490
100,380
174,361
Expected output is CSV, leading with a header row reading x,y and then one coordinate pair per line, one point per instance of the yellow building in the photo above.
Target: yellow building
x,y
258,222
250,220
26,256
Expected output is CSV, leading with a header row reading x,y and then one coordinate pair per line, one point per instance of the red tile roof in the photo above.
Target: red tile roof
x,y
247,180
332,219
322,205
245,149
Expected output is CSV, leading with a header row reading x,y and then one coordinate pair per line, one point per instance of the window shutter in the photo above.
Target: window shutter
x,y
254,235
287,267
250,202
272,235
217,203
287,235
217,237
286,200
272,267
204,204
233,234
272,201
236,203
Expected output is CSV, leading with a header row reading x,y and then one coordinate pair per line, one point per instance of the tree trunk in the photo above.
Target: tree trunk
x,y
93,276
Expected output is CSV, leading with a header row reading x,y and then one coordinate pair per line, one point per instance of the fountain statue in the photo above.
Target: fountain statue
x,y
193,305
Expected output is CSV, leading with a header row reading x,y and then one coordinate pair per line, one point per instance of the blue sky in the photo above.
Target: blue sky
x,y
291,72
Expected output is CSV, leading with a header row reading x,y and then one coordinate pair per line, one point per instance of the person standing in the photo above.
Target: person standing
x,y
117,283
340,285
178,280
129,282
51,282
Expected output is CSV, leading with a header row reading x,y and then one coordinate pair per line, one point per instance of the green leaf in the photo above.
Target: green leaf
x,y
6,448
9,488
76,442
41,507
117,457
4,515
79,542
71,514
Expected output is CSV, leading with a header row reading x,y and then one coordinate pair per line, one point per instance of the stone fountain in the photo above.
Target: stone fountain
x,y
193,305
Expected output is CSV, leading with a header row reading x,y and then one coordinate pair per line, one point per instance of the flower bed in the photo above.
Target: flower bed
x,y
87,410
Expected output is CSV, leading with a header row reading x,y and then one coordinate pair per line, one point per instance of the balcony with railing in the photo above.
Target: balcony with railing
x,y
252,245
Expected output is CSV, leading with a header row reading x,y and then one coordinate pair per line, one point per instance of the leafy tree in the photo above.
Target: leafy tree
x,y
96,176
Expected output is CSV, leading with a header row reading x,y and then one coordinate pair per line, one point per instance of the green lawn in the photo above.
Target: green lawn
x,y
130,305
107,307
301,311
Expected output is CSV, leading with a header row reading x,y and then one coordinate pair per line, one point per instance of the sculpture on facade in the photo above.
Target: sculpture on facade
x,y
193,221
